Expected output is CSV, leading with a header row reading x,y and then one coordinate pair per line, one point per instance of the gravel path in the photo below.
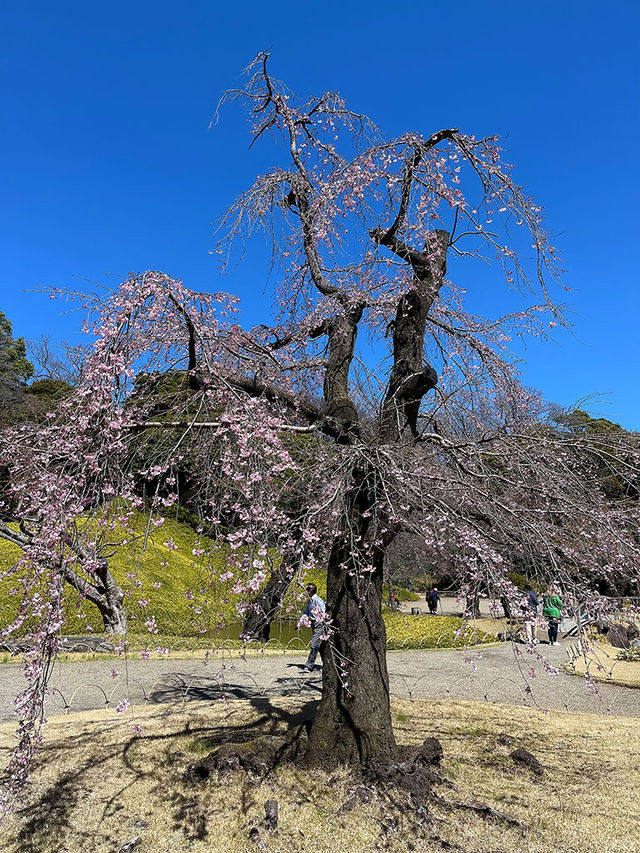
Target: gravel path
x,y
498,676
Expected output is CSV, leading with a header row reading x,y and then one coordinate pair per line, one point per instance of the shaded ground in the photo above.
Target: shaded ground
x,y
493,674
98,787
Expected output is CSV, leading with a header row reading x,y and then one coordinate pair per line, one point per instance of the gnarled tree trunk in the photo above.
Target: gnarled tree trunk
x,y
101,590
114,618
111,605
353,722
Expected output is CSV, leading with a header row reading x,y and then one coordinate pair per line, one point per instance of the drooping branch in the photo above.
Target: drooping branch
x,y
184,425
313,258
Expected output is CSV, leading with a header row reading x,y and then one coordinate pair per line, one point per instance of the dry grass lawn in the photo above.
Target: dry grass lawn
x,y
98,786
602,665
490,624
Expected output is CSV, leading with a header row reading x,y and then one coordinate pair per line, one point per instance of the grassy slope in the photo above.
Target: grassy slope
x,y
177,571
97,786
136,570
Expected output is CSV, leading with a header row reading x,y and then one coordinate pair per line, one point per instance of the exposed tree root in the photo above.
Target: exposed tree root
x,y
405,785
481,808
251,753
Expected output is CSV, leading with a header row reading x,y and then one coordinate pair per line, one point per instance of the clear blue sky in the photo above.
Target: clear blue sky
x,y
108,165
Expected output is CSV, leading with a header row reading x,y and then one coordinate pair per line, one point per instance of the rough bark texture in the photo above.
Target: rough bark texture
x,y
410,378
113,614
353,722
104,592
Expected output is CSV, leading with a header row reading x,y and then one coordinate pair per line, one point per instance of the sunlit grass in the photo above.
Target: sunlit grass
x,y
182,592
97,786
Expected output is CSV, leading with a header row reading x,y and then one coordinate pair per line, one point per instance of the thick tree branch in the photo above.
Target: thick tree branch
x,y
410,379
407,179
213,425
342,332
13,536
192,378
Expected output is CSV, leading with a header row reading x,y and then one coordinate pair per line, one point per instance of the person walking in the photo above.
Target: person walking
x,y
314,611
552,612
432,600
531,612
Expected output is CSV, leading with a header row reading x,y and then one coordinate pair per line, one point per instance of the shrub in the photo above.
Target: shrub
x,y
631,654
406,594
423,583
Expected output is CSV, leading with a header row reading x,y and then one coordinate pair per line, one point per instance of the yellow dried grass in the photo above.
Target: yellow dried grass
x,y
95,779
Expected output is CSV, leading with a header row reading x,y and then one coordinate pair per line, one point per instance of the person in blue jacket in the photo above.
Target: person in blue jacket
x,y
315,607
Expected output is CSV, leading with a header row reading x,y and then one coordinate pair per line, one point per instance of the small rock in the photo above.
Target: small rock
x,y
140,824
618,636
633,632
430,752
521,756
271,809
254,836
505,740
131,845
86,644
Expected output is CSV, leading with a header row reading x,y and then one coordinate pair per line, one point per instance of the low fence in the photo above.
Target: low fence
x,y
228,679
227,673
437,636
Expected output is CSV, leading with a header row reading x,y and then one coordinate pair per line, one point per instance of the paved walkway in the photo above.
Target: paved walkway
x,y
495,674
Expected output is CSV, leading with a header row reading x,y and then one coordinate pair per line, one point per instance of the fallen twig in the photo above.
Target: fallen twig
x,y
481,808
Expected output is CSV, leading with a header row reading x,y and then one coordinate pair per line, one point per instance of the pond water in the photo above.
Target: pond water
x,y
282,631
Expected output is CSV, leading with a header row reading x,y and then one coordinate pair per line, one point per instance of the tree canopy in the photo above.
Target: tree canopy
x,y
311,442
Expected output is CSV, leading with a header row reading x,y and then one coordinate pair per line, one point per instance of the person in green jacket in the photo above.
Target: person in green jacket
x,y
552,612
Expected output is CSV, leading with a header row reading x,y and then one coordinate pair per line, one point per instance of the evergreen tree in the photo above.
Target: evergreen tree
x,y
15,367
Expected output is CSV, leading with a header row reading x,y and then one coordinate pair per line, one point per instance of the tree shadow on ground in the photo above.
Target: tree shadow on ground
x,y
49,816
185,687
